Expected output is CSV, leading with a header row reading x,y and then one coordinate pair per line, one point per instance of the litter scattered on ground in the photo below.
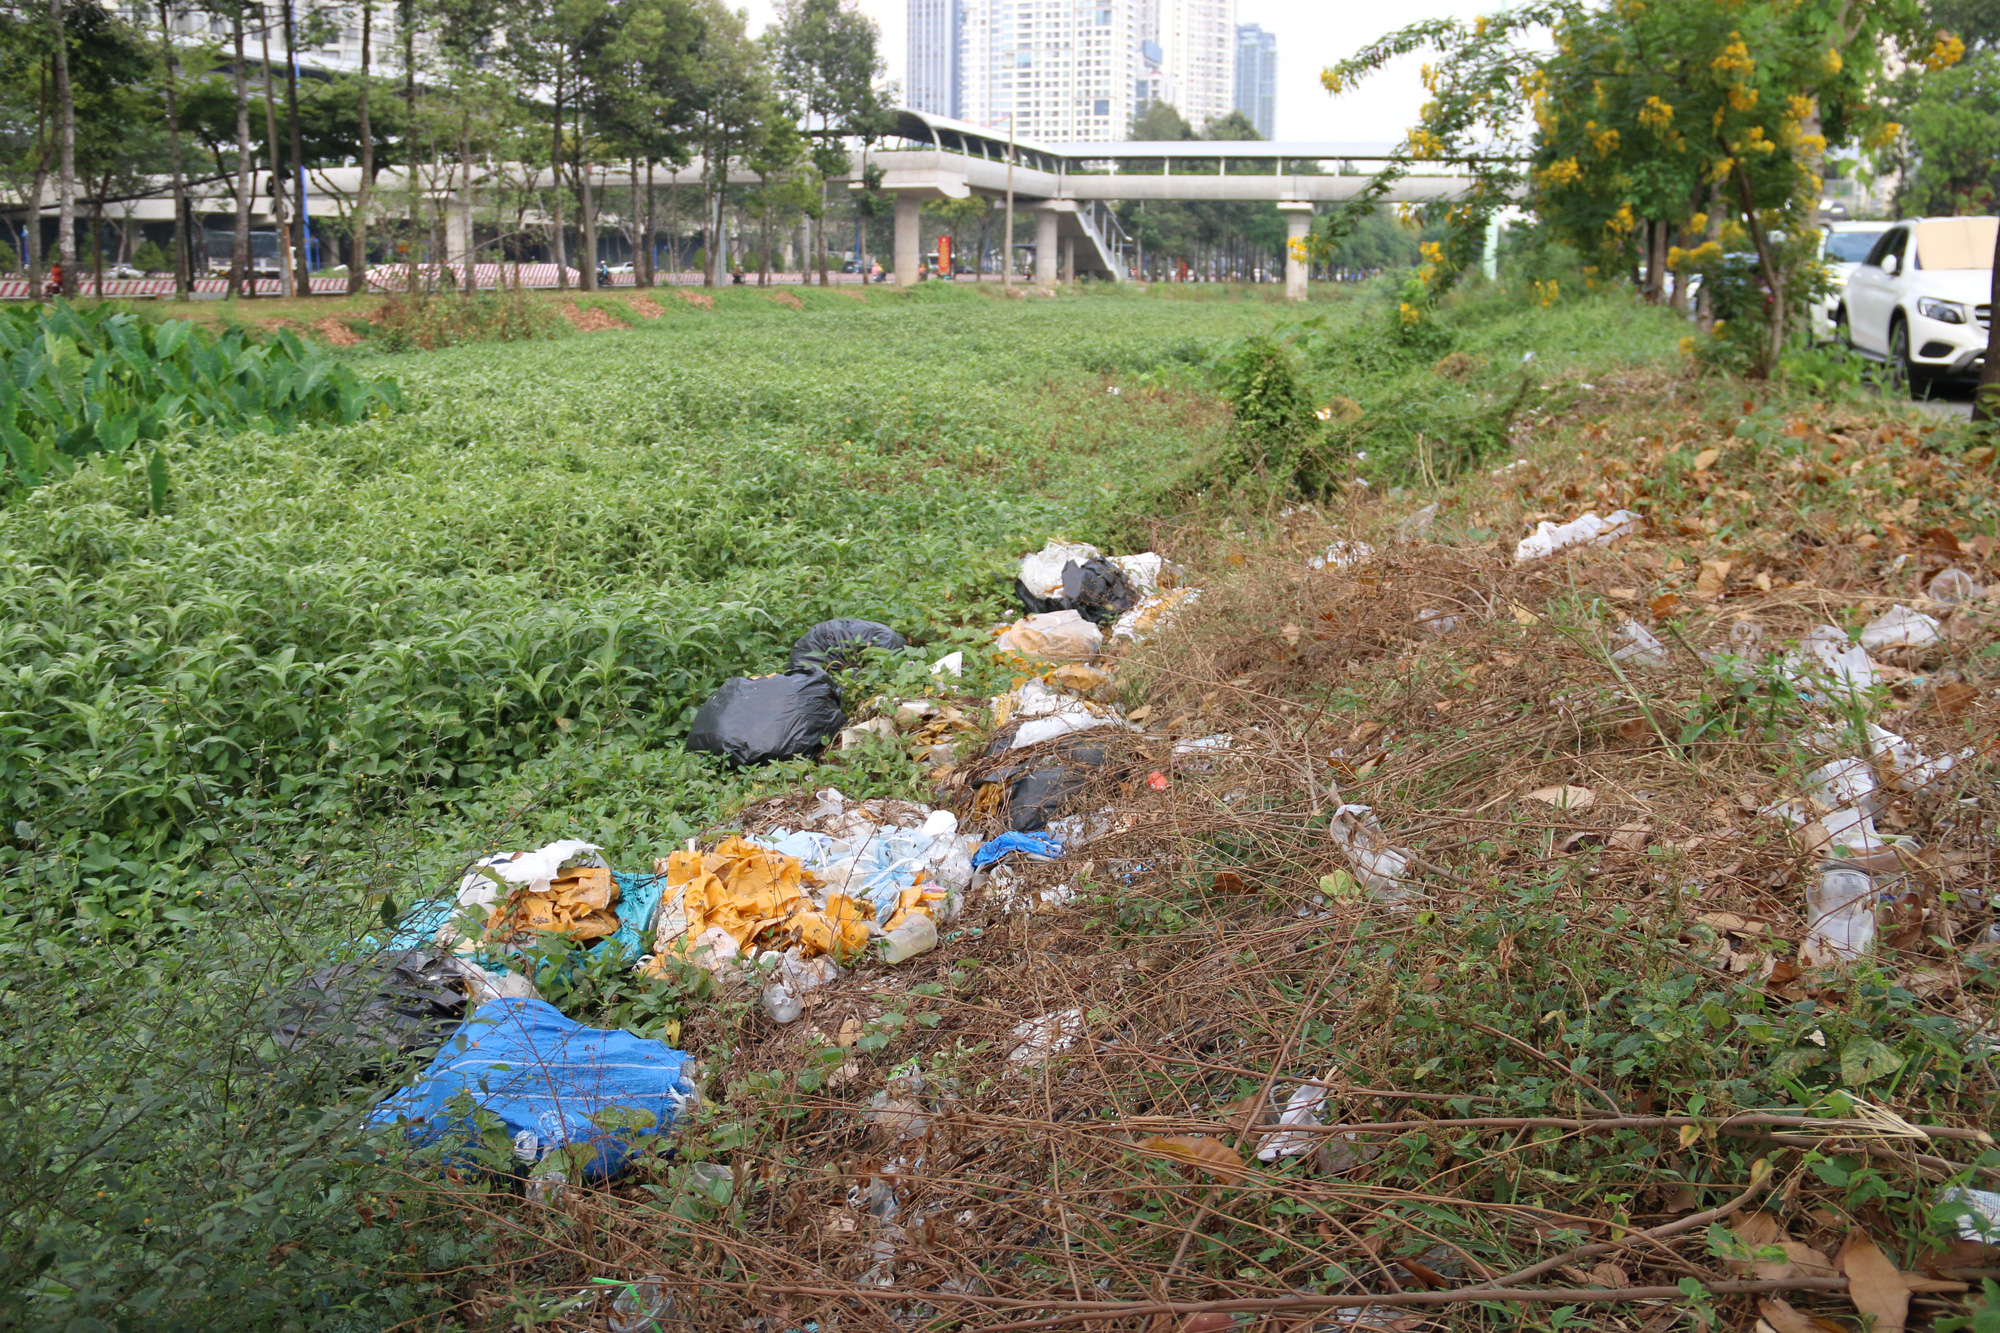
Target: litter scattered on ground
x,y
392,1003
1636,646
1900,628
1344,555
756,719
1378,865
1585,529
1043,1037
836,644
1302,1109
553,1083
1053,636
1043,846
1840,916
1027,796
1828,663
1953,587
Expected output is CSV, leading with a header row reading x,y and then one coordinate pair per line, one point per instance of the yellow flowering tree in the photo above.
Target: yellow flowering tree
x,y
1656,136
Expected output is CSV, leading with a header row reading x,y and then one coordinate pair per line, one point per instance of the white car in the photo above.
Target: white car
x,y
1919,301
1843,245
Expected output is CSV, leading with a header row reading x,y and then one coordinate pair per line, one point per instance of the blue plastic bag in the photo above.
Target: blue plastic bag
x,y
546,1076
1043,846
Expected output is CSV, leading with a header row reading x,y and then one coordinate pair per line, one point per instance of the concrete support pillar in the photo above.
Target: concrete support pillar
x,y
1298,225
909,210
1069,259
1045,248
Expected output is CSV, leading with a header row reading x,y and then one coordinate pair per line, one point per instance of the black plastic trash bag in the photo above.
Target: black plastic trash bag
x,y
1097,589
405,1003
1044,789
836,644
756,719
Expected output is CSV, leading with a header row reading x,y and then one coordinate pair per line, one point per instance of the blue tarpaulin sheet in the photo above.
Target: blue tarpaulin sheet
x,y
548,1076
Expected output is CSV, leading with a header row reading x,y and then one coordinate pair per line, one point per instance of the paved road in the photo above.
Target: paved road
x,y
1949,400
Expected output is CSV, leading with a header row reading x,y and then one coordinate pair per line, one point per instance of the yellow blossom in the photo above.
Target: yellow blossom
x,y
1621,222
1735,58
1697,223
1831,62
1742,98
1605,141
1723,166
1432,252
1656,115
1797,107
1945,52
1560,173
1410,313
1479,25
1884,136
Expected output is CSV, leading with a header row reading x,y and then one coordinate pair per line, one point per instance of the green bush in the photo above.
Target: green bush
x,y
151,257
78,382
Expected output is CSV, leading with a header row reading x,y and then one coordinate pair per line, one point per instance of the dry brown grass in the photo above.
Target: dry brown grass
x,y
1202,959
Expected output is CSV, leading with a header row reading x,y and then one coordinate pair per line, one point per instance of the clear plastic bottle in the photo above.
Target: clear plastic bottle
x,y
918,934
1840,915
642,1306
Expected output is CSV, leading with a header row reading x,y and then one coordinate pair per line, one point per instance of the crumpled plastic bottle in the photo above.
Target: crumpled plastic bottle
x,y
642,1306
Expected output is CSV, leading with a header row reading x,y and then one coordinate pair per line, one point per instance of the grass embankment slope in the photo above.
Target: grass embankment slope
x,y
501,606
1585,1056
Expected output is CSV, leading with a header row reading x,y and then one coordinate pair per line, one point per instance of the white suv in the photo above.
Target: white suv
x,y
1919,301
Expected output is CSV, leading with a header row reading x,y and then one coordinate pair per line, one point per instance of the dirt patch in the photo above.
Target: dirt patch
x,y
699,300
789,299
589,320
645,307
335,331
853,295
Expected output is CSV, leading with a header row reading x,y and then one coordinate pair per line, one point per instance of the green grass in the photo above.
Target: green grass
x,y
344,659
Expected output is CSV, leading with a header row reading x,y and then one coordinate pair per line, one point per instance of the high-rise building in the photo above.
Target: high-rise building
x,y
935,43
1197,40
1257,77
1064,69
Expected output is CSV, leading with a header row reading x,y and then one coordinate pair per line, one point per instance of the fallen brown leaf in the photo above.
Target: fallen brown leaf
x,y
1714,577
1631,837
1954,697
1664,604
1783,1318
1874,1284
1705,460
1198,1150
1565,797
1228,881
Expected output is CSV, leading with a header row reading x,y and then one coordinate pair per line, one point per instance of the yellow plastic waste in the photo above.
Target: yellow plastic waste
x,y
759,896
577,904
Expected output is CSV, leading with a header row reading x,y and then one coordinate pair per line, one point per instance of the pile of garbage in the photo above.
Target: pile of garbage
x,y
786,904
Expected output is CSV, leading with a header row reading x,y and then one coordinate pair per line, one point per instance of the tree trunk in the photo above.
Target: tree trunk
x,y
674,223
239,263
650,231
183,209
408,17
357,266
1986,398
278,218
296,169
587,265
65,155
470,284
97,235
555,191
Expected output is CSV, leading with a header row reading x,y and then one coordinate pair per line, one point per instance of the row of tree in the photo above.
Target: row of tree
x,y
529,106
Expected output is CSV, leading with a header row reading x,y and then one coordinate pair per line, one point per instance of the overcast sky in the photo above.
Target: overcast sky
x,y
1310,36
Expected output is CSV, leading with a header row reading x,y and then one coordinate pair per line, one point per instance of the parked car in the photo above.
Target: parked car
x,y
1843,245
1920,300
617,269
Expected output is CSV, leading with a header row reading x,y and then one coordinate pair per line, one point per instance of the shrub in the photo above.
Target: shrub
x,y
78,382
